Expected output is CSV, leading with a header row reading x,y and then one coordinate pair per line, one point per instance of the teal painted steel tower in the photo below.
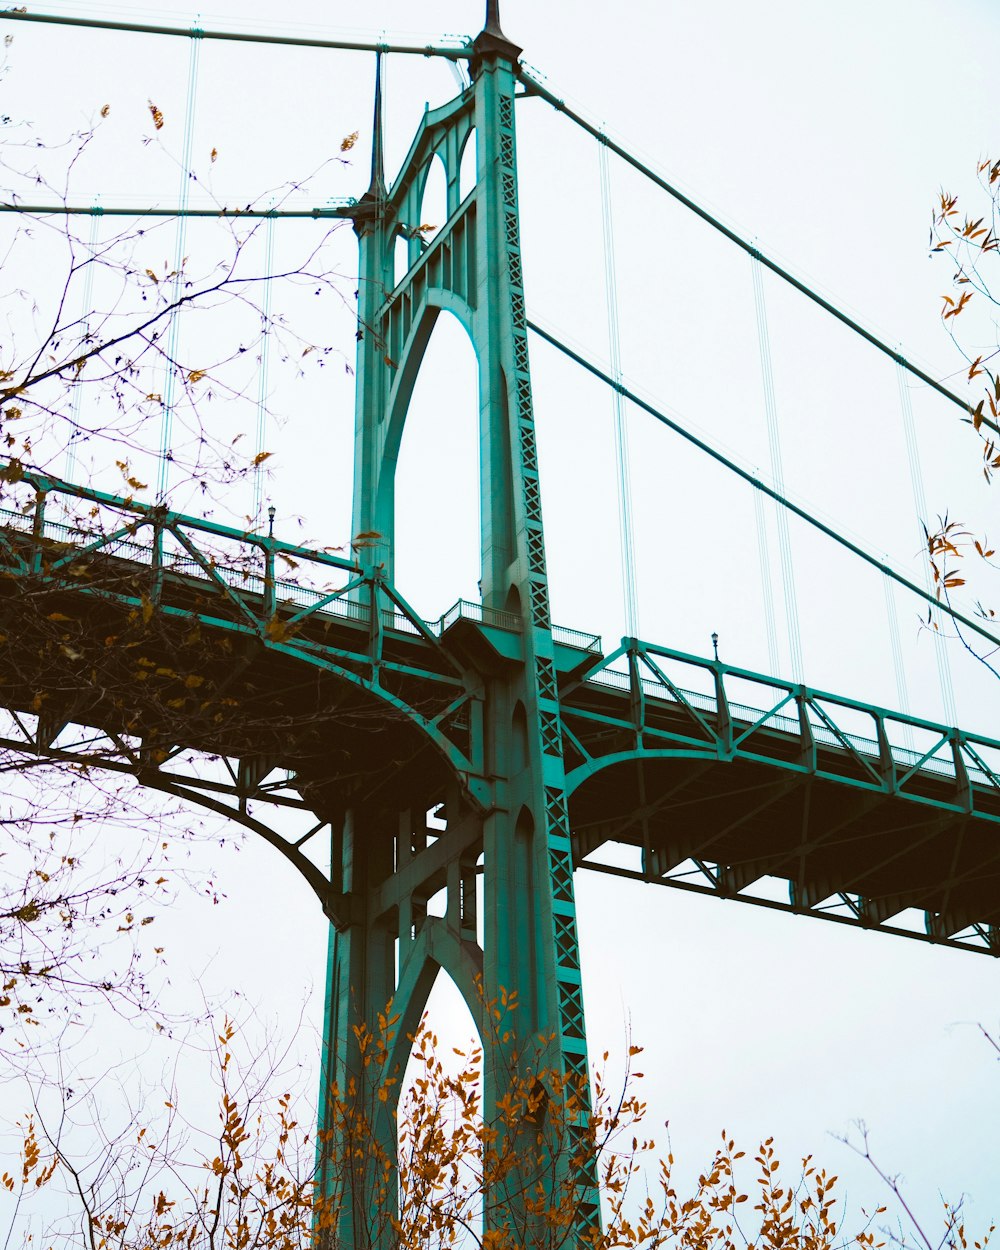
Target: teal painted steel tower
x,y
513,820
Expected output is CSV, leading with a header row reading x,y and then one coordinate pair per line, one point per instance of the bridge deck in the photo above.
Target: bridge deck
x,y
854,826
717,779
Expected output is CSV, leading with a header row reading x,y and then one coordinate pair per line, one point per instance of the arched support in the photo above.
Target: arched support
x,y
579,776
437,948
335,906
435,302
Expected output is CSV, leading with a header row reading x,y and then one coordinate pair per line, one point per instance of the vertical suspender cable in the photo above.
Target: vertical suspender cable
x,y
777,473
88,304
767,587
920,505
625,528
265,335
902,689
173,334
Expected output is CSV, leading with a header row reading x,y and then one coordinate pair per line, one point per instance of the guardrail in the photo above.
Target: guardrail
x,y
800,711
471,611
240,563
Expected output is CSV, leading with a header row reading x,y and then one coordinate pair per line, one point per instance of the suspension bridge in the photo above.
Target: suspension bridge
x,y
532,744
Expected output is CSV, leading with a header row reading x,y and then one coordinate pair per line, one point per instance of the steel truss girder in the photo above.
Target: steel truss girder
x,y
33,557
702,780
206,794
714,732
984,939
80,566
705,733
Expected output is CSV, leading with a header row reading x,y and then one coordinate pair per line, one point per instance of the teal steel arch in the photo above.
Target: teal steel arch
x,y
440,947
435,302
620,759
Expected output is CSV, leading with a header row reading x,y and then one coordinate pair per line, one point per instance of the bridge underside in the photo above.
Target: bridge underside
x,y
783,807
732,829
379,711
156,683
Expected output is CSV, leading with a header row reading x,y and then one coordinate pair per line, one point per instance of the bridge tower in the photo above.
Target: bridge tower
x,y
514,828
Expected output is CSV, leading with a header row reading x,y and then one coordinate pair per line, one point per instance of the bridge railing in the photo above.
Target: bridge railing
x,y
84,519
57,523
469,610
736,709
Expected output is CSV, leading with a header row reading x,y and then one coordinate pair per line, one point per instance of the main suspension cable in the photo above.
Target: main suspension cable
x,y
977,627
533,86
459,52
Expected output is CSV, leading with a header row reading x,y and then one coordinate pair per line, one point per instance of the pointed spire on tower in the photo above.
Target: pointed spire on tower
x,y
369,208
491,41
492,26
376,188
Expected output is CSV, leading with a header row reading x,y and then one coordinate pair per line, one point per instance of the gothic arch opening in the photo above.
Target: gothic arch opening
x,y
400,259
450,1020
434,202
468,174
437,547
518,739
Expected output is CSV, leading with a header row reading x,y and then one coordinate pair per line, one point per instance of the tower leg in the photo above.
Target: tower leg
x,y
357,1128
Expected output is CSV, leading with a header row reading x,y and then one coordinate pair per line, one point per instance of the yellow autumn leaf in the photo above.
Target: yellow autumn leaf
x,y
277,630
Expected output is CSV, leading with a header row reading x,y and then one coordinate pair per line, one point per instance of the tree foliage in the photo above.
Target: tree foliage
x,y
117,352
968,240
122,351
468,1175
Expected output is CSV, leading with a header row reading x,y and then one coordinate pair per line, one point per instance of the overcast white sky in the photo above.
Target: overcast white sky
x,y
823,130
